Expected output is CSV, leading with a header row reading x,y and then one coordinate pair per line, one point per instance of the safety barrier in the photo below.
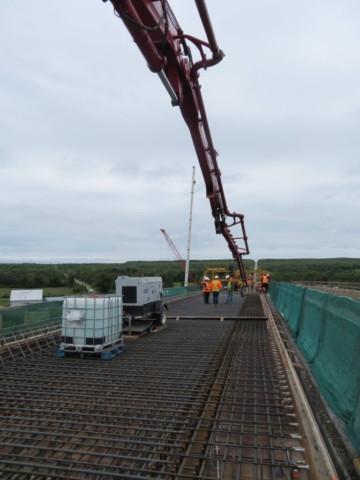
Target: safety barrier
x,y
38,314
175,291
327,331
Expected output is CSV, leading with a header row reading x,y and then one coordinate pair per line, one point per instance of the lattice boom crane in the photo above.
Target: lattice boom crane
x,y
158,35
177,255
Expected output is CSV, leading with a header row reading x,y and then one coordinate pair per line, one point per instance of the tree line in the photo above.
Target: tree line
x,y
30,275
102,276
314,269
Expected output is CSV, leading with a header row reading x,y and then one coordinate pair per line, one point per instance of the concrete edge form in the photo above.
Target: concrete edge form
x,y
321,459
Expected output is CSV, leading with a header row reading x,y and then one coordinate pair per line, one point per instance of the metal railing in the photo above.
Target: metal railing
x,y
29,341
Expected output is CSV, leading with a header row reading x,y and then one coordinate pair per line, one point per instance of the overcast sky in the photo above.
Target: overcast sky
x,y
94,160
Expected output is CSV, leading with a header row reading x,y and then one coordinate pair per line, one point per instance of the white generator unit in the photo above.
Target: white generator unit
x,y
142,297
92,325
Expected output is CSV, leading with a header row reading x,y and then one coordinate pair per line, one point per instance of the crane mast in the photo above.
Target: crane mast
x,y
179,258
154,28
189,232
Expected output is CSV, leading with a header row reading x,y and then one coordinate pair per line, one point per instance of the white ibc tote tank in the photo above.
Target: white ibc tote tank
x,y
90,321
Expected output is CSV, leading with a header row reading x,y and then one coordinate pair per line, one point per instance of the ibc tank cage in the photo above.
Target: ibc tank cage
x,y
91,324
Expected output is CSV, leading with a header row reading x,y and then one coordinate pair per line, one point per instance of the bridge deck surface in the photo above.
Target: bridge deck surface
x,y
202,399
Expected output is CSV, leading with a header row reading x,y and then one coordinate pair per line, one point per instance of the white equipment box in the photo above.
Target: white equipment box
x,y
141,295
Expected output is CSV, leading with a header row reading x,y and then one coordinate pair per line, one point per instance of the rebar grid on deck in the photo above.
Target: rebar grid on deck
x,y
252,307
201,399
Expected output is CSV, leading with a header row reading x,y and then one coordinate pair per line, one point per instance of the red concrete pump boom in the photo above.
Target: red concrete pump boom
x,y
177,255
158,35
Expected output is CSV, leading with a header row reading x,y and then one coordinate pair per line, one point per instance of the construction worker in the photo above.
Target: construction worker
x,y
230,289
250,283
206,289
215,287
264,282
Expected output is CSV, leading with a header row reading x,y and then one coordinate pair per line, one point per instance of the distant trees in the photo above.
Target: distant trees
x,y
104,283
321,269
71,280
28,275
102,277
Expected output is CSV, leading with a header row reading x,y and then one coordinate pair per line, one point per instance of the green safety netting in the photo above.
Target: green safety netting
x,y
311,322
327,331
353,426
174,291
29,315
48,312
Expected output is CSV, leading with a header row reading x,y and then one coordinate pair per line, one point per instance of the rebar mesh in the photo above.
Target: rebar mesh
x,y
200,399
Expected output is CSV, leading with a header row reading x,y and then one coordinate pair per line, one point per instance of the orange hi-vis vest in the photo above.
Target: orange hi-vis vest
x,y
264,279
216,285
206,286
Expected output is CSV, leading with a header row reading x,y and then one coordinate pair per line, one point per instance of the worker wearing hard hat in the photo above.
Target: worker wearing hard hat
x,y
230,289
216,287
264,282
206,289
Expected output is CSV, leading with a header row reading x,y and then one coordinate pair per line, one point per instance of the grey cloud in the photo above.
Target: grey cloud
x,y
4,157
288,138
282,107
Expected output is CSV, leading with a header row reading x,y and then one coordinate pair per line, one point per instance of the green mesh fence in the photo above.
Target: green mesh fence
x,y
312,322
174,291
327,331
49,312
30,315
